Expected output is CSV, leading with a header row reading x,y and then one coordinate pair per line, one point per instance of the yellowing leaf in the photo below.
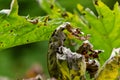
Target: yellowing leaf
x,y
80,7
110,70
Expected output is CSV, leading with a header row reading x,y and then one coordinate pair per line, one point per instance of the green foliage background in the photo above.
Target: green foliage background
x,y
15,61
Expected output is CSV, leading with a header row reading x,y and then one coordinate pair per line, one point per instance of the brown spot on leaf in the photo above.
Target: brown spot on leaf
x,y
38,26
11,31
46,19
101,16
27,40
7,25
83,14
34,21
96,2
51,7
1,42
64,14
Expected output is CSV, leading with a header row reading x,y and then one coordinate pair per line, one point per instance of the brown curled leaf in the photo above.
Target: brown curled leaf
x,y
64,64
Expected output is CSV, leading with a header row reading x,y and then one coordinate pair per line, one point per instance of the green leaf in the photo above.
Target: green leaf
x,y
45,6
104,28
17,30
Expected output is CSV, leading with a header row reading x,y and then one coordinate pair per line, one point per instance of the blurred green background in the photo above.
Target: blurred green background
x,y
14,62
